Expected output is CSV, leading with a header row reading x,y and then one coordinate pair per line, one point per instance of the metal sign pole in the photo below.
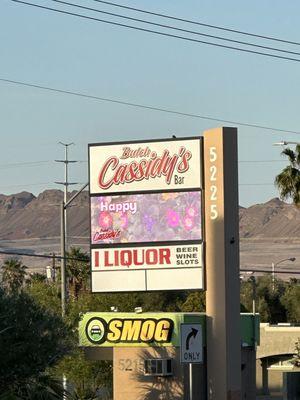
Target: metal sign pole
x,y
191,380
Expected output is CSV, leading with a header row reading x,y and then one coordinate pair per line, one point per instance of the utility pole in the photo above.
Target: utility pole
x,y
63,258
54,266
63,248
66,182
63,208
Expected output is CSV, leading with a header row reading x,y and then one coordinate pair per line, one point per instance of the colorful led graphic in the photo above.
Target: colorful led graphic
x,y
146,217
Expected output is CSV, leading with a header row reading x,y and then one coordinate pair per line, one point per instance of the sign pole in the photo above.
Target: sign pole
x,y
222,265
191,380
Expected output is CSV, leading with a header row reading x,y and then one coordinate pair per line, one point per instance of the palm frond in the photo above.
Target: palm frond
x,y
298,154
288,183
290,154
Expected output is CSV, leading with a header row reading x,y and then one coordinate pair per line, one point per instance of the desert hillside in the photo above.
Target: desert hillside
x,y
269,232
24,216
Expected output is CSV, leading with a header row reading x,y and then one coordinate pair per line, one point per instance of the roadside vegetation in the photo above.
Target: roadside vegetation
x,y
38,347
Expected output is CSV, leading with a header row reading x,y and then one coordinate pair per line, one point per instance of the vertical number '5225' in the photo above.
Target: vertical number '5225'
x,y
212,187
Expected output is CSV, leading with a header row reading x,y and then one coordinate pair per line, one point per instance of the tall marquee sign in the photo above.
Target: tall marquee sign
x,y
146,215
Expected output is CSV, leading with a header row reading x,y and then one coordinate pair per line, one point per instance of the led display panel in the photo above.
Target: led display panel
x,y
146,218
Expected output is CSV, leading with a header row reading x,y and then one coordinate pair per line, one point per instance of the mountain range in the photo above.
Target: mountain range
x,y
30,225
25,216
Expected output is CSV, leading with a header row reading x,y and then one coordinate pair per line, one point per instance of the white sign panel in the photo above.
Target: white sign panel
x,y
145,166
191,344
137,258
147,268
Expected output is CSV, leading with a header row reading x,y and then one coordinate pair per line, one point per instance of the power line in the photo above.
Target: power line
x,y
198,23
50,183
23,164
152,108
30,164
157,32
175,28
256,184
17,253
240,161
51,256
260,161
26,184
269,271
32,184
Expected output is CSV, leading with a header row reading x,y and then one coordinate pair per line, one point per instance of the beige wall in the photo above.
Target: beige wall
x,y
268,381
275,342
130,383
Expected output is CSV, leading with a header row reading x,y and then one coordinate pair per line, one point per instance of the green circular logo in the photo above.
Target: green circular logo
x,y
96,330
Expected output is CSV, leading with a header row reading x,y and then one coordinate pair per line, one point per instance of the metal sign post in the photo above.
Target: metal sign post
x,y
191,380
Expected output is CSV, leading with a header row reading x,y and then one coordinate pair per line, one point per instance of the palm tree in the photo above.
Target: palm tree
x,y
296,357
13,274
42,387
78,270
36,277
288,181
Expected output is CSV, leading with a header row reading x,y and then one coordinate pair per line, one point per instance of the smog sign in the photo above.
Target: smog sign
x,y
146,215
116,329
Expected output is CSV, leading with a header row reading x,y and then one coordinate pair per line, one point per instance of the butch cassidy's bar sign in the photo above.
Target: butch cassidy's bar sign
x,y
146,215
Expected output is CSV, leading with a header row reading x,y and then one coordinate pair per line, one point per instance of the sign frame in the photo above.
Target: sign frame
x,y
136,245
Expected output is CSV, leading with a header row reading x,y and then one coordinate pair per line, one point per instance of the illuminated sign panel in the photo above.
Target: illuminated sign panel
x,y
148,166
146,215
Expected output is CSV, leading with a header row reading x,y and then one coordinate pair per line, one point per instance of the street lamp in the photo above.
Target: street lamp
x,y
275,265
284,143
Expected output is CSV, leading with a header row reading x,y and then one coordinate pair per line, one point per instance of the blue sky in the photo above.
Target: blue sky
x,y
84,56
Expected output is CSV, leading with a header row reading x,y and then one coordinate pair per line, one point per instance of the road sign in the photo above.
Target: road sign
x,y
191,346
